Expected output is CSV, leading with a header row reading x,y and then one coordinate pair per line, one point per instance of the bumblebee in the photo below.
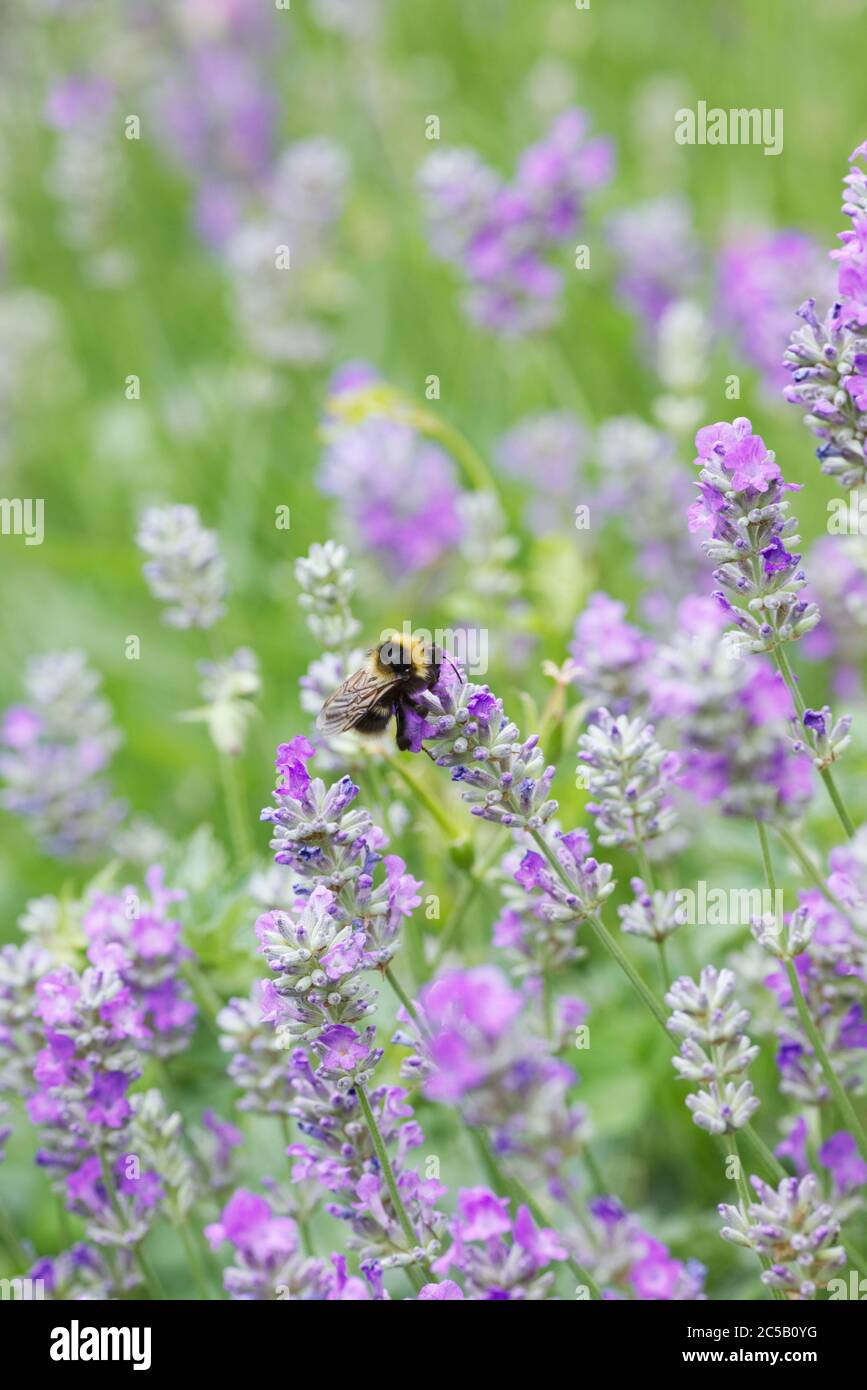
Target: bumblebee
x,y
395,670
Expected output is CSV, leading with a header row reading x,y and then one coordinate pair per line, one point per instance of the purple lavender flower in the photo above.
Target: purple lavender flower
x,y
474,1045
715,1051
268,1262
501,235
839,1154
725,717
335,1153
396,490
139,940
608,654
186,569
500,1256
548,452
348,918
631,775
762,277
503,779
53,753
658,256
741,501
627,1261
793,1229
831,968
828,359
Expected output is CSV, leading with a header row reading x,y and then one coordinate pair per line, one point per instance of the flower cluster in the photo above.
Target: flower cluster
x,y
653,915
138,939
268,1264
631,775
658,256
500,1256
397,490
726,718
831,964
345,921
258,1064
536,942
608,655
502,235
828,358
741,501
760,277
474,1045
326,585
714,1050
336,1153
629,1262
54,751
796,1231
185,568
503,778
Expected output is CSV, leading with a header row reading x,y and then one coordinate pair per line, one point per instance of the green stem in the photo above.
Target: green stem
x,y
477,471
470,888
835,1085
421,792
10,1239
770,1161
239,830
512,1187
767,862
195,1263
663,962
390,1182
786,672
608,941
404,998
207,997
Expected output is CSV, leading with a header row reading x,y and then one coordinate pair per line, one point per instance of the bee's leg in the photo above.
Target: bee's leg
x,y
404,742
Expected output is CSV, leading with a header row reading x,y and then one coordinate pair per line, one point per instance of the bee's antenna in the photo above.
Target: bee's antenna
x,y
429,753
460,677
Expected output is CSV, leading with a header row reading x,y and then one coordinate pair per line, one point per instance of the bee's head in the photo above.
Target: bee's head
x,y
402,656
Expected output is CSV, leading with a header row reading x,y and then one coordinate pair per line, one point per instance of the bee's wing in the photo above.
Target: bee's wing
x,y
352,700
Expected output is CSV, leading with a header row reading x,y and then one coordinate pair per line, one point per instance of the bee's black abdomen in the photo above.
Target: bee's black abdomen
x,y
375,720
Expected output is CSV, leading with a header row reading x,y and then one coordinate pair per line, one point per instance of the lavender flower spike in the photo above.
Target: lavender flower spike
x,y
741,502
54,751
828,360
631,775
714,1049
504,779
185,569
327,585
793,1229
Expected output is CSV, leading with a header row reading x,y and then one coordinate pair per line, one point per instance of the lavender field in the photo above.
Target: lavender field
x,y
434,632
